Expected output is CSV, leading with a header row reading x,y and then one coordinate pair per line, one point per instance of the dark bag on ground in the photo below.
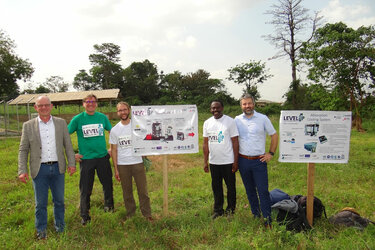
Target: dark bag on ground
x,y
293,221
350,218
318,209
296,220
291,215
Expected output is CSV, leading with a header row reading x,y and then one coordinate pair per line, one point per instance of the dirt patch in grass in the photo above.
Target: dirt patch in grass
x,y
175,162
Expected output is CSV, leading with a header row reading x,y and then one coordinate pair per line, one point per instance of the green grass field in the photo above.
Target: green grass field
x,y
188,224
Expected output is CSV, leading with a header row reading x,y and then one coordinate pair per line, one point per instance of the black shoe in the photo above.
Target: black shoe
x,y
229,212
109,209
41,235
215,215
85,220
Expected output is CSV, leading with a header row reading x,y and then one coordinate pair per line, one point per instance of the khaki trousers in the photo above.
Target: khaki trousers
x,y
136,171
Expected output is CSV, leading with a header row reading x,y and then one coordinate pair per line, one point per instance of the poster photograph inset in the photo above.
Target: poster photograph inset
x,y
168,129
314,136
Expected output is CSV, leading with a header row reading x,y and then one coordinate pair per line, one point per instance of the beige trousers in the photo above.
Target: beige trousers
x,y
127,173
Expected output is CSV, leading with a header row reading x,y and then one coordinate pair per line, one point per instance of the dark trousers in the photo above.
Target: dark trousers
x,y
86,182
218,173
255,179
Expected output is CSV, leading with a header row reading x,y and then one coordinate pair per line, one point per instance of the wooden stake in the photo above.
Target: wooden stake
x,y
165,185
310,192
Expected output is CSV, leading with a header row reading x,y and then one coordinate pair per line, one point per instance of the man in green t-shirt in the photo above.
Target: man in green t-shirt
x,y
93,155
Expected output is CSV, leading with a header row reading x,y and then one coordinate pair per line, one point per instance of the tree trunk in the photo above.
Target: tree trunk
x,y
356,120
357,123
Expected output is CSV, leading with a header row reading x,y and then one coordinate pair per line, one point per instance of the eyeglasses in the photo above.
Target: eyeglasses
x,y
43,105
89,102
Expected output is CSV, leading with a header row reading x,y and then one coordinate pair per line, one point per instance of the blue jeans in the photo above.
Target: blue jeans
x,y
255,179
49,177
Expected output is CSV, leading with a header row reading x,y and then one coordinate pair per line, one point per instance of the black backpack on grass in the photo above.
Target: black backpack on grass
x,y
296,222
319,208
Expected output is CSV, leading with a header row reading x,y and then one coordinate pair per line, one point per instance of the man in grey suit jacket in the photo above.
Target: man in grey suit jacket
x,y
47,140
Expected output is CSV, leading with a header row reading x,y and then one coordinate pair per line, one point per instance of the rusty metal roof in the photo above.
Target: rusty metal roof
x,y
67,97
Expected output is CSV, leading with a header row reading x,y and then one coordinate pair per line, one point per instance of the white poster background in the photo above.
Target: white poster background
x,y
314,136
168,129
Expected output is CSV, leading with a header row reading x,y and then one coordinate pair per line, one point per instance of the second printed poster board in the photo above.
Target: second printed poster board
x,y
165,130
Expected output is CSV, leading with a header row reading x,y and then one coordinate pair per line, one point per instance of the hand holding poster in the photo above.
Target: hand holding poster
x,y
314,136
169,129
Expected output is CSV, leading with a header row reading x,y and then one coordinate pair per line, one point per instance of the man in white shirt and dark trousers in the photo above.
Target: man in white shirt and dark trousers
x,y
252,128
220,149
128,166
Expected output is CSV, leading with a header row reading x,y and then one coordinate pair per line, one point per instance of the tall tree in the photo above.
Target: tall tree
x,y
195,87
170,87
199,88
250,74
106,71
199,84
42,89
12,68
141,82
56,84
291,20
344,58
83,81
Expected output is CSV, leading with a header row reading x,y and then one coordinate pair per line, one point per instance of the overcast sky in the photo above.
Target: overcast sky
x,y
185,35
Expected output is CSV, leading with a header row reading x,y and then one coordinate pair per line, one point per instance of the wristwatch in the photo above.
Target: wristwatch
x,y
271,153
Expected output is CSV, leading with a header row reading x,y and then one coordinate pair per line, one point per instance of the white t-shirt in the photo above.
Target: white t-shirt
x,y
219,133
121,136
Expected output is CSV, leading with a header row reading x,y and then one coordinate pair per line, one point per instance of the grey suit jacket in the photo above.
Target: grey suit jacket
x,y
30,143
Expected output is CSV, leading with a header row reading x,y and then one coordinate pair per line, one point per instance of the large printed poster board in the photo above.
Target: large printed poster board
x,y
314,136
169,129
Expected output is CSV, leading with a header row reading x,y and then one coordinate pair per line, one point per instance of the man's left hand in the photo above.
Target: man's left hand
x,y
234,167
117,175
71,170
266,157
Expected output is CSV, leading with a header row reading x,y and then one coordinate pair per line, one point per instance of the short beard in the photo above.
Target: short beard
x,y
127,117
249,112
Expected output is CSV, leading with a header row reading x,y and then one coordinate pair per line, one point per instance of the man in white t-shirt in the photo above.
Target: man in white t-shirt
x,y
220,149
128,166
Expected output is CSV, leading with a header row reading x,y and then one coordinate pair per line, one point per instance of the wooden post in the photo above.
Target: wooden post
x,y
5,119
18,119
165,185
28,112
310,192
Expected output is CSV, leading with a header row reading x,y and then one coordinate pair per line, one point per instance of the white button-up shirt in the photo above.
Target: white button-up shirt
x,y
48,140
252,133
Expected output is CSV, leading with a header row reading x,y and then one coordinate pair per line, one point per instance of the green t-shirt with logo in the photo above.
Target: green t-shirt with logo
x,y
90,134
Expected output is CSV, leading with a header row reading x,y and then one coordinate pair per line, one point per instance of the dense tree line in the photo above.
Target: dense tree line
x,y
142,83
